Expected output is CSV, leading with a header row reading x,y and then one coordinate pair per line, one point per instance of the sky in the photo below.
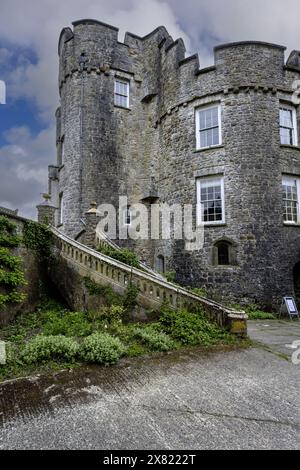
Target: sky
x,y
29,32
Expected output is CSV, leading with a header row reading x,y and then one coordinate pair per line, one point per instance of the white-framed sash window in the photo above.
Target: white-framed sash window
x,y
210,200
288,125
290,198
208,126
121,93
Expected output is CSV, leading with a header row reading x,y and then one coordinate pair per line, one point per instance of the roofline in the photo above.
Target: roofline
x,y
143,38
91,21
249,43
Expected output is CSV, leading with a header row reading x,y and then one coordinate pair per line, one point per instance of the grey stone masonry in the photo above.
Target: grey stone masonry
x,y
150,148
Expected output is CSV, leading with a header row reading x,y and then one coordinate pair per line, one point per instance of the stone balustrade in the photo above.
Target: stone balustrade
x,y
153,290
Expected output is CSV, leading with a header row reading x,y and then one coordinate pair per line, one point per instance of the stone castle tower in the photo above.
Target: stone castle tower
x,y
140,119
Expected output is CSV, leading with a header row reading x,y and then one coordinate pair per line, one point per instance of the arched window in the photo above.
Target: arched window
x,y
224,253
160,264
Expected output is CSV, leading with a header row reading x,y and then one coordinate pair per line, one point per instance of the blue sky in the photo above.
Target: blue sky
x,y
29,33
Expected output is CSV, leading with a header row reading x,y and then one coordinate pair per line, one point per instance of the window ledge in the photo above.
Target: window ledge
x,y
213,147
221,224
226,267
290,224
292,147
122,107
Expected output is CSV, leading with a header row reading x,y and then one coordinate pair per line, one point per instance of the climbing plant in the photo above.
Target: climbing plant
x,y
11,274
38,237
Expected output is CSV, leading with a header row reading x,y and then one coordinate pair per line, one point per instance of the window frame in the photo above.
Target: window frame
x,y
288,178
197,118
200,220
289,107
126,82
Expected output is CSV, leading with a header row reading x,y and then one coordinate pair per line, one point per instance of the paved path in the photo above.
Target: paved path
x,y
244,399
277,335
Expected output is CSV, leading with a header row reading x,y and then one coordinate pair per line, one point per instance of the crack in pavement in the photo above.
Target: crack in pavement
x,y
188,410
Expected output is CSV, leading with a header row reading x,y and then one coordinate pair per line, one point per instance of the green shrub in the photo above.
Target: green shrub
x,y
101,348
254,312
130,299
170,276
259,315
67,324
156,341
123,255
106,292
199,291
11,275
45,348
191,329
113,314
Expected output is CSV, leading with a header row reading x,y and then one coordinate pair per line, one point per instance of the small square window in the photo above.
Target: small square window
x,y
121,93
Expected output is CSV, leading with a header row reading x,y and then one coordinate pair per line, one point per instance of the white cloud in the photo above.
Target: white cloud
x,y
36,24
24,162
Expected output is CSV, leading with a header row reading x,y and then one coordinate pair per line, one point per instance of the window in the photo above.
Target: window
x,y
288,125
290,195
61,153
61,209
121,93
210,196
225,253
208,126
62,150
127,216
160,264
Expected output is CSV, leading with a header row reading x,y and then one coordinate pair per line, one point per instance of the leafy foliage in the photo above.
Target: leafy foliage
x,y
102,348
156,340
44,348
11,274
255,313
38,237
106,292
130,299
191,328
70,324
123,255
199,291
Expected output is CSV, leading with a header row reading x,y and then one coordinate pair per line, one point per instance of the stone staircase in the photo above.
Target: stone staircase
x,y
154,290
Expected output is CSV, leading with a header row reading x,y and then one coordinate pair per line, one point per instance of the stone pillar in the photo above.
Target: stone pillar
x,y
46,213
91,224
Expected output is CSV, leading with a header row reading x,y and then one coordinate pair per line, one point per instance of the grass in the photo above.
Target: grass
x,y
53,338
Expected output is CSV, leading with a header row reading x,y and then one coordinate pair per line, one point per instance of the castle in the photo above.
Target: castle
x,y
141,119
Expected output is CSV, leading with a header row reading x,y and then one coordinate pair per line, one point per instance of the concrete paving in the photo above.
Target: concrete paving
x,y
277,335
242,399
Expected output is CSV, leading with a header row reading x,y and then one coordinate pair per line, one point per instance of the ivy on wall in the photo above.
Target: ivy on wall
x,y
11,274
38,238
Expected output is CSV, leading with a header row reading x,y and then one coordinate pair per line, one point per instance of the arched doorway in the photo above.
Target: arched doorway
x,y
297,283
